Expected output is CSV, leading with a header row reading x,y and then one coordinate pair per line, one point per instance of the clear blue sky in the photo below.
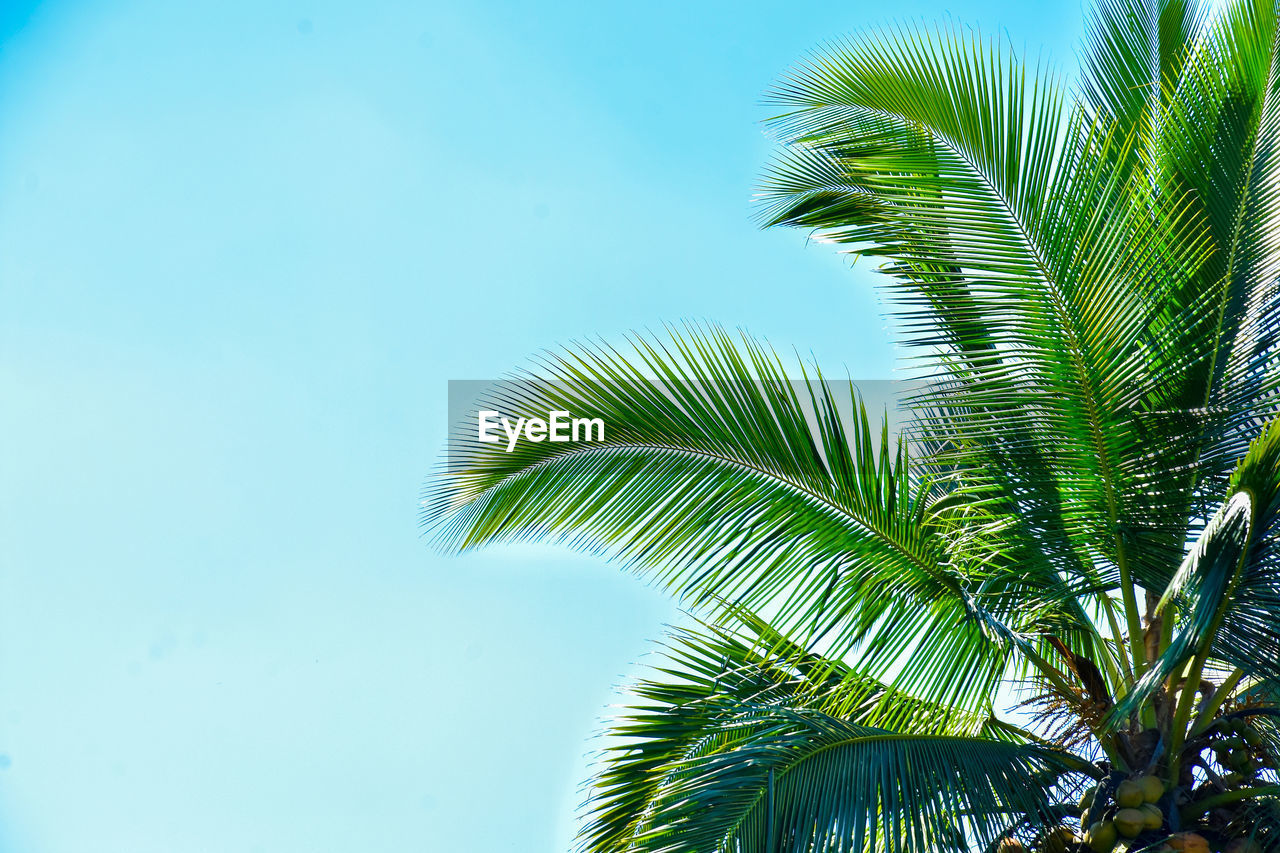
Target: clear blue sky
x,y
243,247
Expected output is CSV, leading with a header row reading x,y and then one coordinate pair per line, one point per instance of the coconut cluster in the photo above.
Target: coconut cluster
x,y
1134,814
1239,751
1133,808
1112,817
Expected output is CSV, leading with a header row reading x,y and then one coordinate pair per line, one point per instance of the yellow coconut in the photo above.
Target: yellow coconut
x,y
1129,795
1154,817
1188,842
1130,822
1059,840
1102,836
1152,788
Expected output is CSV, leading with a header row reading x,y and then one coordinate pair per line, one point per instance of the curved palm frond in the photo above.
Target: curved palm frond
x,y
1249,636
710,472
1205,580
1035,270
679,714
740,488
799,780
1226,588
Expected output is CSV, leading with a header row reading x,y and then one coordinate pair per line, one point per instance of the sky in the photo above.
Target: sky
x,y
244,246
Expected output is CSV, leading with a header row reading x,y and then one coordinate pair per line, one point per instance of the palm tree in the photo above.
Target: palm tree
x,y
1047,614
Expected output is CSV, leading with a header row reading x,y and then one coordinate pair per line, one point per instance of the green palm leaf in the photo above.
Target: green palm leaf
x,y
1219,139
738,488
1041,269
800,780
1135,54
706,675
1084,500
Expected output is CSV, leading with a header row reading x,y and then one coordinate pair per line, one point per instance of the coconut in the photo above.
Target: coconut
x,y
1058,840
1154,818
1130,822
1129,795
1152,788
1011,845
1102,836
1086,799
1234,742
1188,842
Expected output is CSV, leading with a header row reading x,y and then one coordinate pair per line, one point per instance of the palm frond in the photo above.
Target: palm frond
x,y
736,487
800,780
1220,142
1227,585
706,675
1249,637
1134,55
1033,269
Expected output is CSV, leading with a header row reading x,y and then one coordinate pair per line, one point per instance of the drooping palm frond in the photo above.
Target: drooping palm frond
x,y
1226,585
1249,637
709,472
1206,579
721,707
680,714
798,780
737,487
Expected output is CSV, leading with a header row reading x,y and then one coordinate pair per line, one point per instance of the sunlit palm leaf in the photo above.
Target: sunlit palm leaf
x,y
680,712
1037,266
737,487
801,780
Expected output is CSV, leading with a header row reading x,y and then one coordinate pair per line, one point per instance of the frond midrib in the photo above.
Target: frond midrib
x,y
822,502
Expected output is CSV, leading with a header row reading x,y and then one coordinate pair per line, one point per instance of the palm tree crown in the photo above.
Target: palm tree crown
x,y
1079,518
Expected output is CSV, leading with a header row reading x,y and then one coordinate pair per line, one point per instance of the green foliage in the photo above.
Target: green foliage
x,y
713,694
1084,502
804,780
